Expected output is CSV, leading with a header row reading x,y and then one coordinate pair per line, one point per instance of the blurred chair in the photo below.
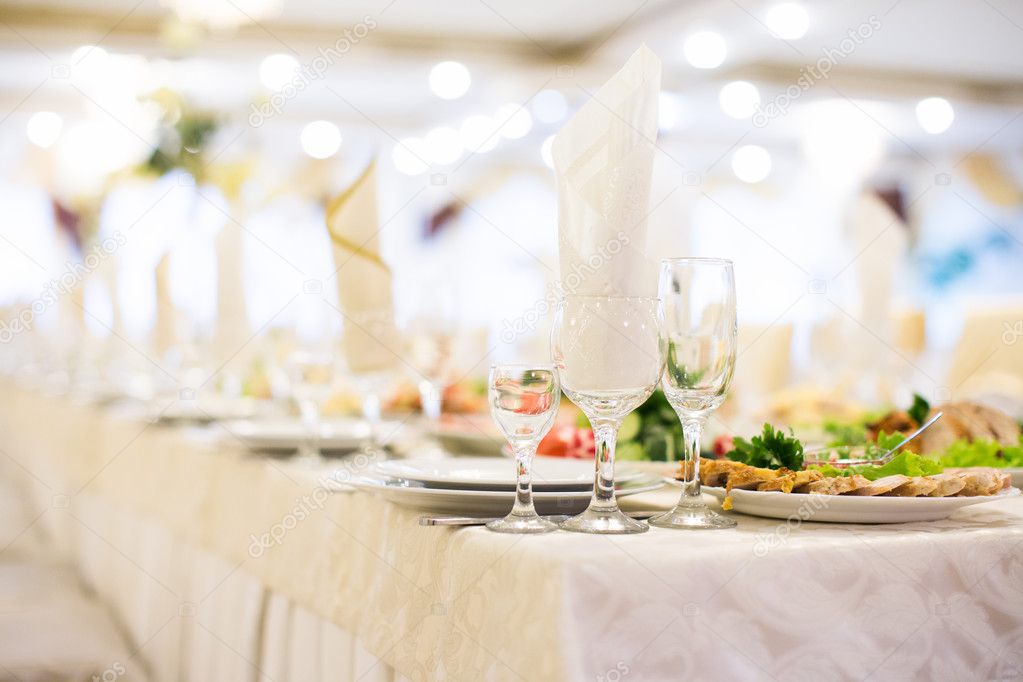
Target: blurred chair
x,y
910,331
764,361
988,360
51,630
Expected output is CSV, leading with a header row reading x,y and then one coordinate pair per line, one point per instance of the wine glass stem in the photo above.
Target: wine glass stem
x,y
430,395
605,437
692,431
371,413
310,412
524,481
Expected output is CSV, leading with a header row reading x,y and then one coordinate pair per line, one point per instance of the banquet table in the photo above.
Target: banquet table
x,y
228,565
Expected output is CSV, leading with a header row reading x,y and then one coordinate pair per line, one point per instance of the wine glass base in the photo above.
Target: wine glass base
x,y
604,522
308,459
692,518
530,524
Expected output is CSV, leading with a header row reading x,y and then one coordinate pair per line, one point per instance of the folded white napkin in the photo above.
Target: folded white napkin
x,y
880,238
603,159
370,339
165,327
232,325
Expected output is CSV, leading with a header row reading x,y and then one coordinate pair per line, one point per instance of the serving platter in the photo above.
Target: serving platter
x,y
849,508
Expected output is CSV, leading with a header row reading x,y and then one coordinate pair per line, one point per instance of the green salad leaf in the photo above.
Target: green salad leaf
x,y
771,449
983,453
651,432
905,463
884,443
845,433
919,410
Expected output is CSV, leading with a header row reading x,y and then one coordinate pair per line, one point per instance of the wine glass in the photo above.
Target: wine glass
x,y
311,377
432,335
698,306
372,387
368,344
609,355
524,402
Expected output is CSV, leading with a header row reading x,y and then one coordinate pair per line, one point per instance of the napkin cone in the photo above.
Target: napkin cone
x,y
603,160
232,327
370,340
165,327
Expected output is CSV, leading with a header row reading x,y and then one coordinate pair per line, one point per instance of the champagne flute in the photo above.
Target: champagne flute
x,y
524,402
609,355
698,306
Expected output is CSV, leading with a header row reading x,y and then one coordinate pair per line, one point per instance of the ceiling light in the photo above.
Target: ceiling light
x,y
935,114
450,80
788,20
545,151
43,128
321,139
739,99
410,156
751,163
277,70
479,133
549,106
705,50
667,111
443,145
514,121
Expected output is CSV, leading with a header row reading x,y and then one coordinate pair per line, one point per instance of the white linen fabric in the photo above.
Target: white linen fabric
x,y
261,573
603,159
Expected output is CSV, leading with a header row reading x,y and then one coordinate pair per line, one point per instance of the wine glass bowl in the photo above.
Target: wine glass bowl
x,y
311,376
699,330
524,403
609,354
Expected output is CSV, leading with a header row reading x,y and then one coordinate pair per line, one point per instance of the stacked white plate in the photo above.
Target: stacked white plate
x,y
486,485
284,434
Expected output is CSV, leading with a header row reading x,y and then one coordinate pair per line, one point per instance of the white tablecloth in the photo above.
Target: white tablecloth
x,y
225,565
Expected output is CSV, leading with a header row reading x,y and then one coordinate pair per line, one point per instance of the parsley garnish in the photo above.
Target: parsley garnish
x,y
771,449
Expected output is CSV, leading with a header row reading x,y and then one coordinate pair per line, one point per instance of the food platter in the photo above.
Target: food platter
x,y
849,509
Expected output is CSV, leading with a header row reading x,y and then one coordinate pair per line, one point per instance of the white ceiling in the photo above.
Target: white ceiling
x,y
969,51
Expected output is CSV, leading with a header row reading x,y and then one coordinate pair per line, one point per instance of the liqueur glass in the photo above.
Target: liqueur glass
x,y
524,402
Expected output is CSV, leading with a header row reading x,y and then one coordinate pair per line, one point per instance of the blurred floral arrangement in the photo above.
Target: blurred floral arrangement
x,y
184,136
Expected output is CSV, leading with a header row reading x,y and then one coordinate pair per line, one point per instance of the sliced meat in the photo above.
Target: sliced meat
x,y
750,478
948,485
790,481
714,472
881,485
951,427
838,485
969,421
979,482
918,486
896,421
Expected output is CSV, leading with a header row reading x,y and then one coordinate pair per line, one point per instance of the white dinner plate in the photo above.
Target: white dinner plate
x,y
288,434
201,410
487,502
490,473
849,508
459,443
